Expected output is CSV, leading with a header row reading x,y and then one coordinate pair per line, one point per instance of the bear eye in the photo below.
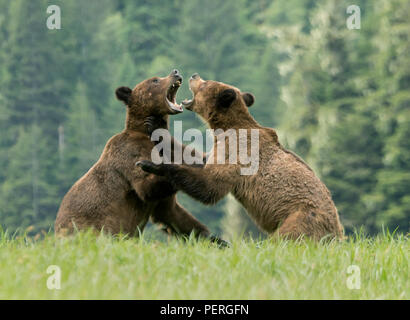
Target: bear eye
x,y
155,80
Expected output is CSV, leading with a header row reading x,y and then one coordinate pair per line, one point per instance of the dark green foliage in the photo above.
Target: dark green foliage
x,y
338,97
347,101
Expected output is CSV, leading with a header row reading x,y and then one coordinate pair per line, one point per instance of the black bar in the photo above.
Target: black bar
x,y
195,309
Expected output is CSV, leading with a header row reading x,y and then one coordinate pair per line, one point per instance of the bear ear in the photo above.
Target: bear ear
x,y
248,98
123,94
225,98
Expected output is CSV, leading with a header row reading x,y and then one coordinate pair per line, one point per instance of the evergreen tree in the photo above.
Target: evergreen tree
x,y
392,81
78,149
26,195
33,103
338,97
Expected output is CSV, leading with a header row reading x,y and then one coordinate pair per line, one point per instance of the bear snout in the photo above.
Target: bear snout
x,y
176,75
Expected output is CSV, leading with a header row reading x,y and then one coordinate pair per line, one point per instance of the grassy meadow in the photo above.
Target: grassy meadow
x,y
106,268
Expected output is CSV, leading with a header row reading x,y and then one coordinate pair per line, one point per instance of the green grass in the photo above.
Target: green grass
x,y
106,268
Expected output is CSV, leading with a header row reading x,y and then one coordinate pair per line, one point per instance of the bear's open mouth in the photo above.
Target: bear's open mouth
x,y
170,97
187,103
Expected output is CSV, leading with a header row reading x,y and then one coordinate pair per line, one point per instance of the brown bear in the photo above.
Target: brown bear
x,y
114,197
283,196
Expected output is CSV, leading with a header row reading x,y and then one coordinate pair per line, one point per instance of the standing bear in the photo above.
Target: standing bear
x,y
115,197
283,195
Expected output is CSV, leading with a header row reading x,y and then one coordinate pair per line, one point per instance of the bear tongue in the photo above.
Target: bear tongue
x,y
175,107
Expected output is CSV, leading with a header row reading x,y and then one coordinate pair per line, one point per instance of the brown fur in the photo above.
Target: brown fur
x,y
113,195
284,197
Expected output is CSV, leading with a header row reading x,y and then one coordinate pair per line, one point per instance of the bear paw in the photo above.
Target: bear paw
x,y
150,167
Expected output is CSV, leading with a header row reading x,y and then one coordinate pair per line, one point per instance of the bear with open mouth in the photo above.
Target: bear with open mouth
x,y
284,196
113,195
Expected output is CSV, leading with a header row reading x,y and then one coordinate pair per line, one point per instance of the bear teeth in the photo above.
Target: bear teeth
x,y
174,106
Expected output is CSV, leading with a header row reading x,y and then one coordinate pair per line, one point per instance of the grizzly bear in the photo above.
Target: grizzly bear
x,y
283,196
114,197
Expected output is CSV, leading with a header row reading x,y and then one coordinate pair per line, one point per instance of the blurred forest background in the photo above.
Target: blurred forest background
x,y
340,98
